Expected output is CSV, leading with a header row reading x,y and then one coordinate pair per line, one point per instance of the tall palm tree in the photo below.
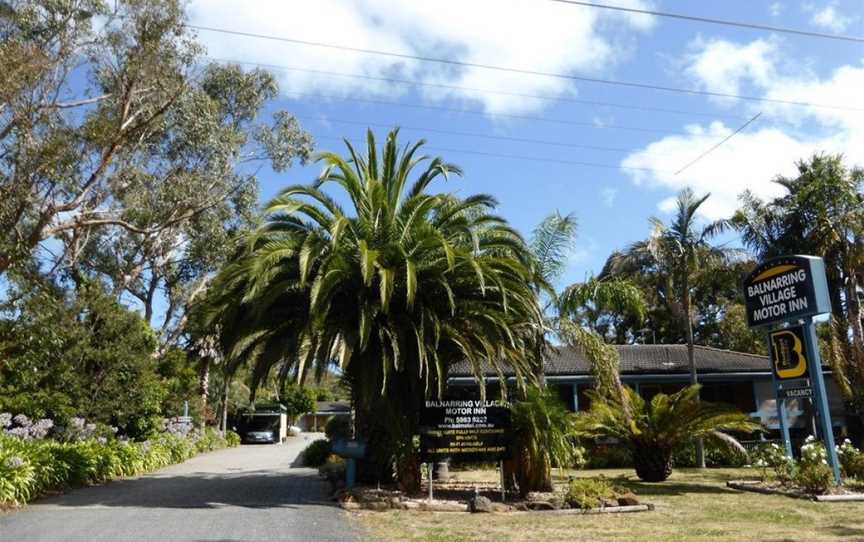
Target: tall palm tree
x,y
394,290
541,423
678,253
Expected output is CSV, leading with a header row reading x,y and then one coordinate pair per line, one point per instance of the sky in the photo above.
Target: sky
x,y
612,155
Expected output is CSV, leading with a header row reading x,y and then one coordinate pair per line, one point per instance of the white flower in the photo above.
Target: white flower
x,y
13,462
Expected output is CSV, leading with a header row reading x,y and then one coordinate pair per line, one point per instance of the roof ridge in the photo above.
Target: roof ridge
x,y
715,349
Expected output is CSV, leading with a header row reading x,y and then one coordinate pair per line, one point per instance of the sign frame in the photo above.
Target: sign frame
x,y
786,289
473,421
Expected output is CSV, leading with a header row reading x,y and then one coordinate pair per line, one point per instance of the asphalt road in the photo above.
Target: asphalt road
x,y
248,494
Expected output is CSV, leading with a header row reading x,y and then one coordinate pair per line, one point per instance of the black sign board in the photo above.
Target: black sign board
x,y
788,353
784,289
465,430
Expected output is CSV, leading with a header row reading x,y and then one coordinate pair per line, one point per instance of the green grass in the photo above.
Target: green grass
x,y
691,505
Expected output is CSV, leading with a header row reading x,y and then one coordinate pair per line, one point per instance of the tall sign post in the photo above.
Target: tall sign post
x,y
782,295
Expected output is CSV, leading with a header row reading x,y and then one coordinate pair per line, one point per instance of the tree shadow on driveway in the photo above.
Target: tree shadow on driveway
x,y
249,489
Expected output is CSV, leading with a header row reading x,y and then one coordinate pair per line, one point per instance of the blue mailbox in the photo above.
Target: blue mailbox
x,y
351,450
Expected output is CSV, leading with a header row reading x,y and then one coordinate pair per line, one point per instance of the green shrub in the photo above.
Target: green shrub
x,y
232,439
715,456
33,467
18,480
580,457
316,453
590,492
209,440
604,456
338,428
851,460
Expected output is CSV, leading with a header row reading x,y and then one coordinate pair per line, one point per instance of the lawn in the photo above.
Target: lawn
x,y
691,505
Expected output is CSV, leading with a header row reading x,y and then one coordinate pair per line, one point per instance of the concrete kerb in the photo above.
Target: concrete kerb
x,y
753,487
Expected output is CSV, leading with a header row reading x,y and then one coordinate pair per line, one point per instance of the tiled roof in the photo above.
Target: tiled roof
x,y
647,359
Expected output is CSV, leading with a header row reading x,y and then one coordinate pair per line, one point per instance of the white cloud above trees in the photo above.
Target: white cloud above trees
x,y
538,36
770,147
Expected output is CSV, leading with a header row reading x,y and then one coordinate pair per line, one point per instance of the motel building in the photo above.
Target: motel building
x,y
736,378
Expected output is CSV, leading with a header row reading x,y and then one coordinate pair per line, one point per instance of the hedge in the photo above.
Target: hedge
x,y
30,468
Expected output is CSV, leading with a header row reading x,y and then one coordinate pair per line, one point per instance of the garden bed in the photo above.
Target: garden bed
x,y
480,497
835,494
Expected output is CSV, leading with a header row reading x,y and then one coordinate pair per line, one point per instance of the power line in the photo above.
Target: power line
x,y
469,134
725,139
740,24
451,62
481,90
515,157
583,124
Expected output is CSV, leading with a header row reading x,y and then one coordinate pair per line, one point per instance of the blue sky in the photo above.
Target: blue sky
x,y
642,149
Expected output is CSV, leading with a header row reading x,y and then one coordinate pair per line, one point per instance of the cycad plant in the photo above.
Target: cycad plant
x,y
677,254
652,430
394,290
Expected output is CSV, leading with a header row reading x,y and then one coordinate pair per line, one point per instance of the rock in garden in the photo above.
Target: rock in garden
x,y
628,499
479,504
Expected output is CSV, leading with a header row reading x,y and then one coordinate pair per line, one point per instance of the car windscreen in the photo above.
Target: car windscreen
x,y
259,423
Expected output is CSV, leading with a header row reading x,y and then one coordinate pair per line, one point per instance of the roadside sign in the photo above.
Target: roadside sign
x,y
783,295
788,356
786,288
465,430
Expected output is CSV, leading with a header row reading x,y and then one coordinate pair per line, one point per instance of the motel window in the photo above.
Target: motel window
x,y
737,394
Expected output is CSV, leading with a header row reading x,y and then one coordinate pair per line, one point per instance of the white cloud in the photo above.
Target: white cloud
x,y
770,147
830,19
721,66
534,35
608,196
775,9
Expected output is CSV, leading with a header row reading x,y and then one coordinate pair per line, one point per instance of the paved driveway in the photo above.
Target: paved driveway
x,y
250,493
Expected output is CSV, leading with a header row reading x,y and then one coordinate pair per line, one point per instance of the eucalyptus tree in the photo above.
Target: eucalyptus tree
x,y
59,146
676,255
820,213
124,154
203,169
394,290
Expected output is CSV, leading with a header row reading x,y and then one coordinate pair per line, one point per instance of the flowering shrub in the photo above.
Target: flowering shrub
x,y
813,473
810,473
22,427
851,460
31,465
772,457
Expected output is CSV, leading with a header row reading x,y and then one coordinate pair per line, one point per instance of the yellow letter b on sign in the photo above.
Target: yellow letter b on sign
x,y
787,353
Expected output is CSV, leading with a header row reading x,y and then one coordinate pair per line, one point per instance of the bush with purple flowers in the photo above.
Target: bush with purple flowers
x,y
81,453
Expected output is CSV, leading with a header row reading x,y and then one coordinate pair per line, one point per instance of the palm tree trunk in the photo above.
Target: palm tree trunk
x,y
224,422
691,360
204,387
